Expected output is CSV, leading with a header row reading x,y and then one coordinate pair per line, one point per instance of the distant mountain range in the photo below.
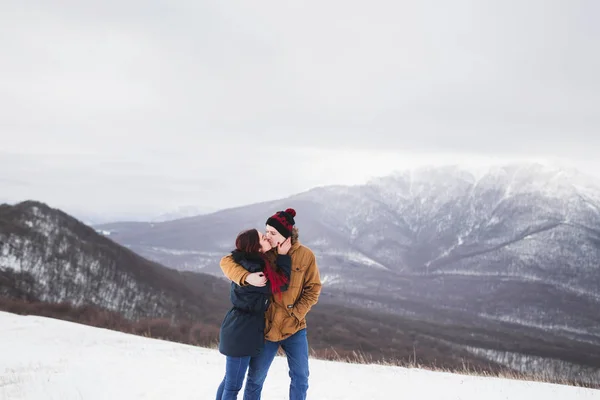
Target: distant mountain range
x,y
97,217
502,264
52,264
510,247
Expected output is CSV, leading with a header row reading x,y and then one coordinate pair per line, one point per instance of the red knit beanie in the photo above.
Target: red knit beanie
x,y
283,221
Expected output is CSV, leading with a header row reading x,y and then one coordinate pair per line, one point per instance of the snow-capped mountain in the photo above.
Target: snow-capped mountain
x,y
515,243
48,256
497,266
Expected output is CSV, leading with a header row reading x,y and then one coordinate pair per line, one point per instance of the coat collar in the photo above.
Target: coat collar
x,y
294,247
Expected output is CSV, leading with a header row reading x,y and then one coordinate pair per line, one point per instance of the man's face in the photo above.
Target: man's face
x,y
273,236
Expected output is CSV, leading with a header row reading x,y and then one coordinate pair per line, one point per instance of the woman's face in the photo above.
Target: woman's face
x,y
265,245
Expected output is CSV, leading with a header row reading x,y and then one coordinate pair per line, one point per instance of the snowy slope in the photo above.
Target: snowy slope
x,y
50,359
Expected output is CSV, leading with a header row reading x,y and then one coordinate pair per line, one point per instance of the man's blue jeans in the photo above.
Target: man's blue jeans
x,y
235,372
296,350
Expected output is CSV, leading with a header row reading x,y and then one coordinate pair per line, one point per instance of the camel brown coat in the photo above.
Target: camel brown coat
x,y
287,315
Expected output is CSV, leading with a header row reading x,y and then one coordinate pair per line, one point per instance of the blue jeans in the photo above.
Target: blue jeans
x,y
235,372
296,351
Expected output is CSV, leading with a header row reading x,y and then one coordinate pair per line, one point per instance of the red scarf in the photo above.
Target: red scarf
x,y
276,278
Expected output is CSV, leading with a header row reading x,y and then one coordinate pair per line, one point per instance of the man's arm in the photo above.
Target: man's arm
x,y
310,291
238,273
233,270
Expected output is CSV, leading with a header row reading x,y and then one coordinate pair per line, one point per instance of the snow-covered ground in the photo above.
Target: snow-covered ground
x,y
47,359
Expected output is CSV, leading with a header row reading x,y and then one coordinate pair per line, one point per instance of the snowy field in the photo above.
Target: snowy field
x,y
47,359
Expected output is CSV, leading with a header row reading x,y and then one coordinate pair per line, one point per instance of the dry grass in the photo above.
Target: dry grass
x,y
186,332
357,357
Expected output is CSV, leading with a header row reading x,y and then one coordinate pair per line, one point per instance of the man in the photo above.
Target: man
x,y
285,319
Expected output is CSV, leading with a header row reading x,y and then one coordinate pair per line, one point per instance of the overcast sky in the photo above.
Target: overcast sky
x,y
132,108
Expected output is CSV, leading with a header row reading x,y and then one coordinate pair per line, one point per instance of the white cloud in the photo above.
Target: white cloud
x,y
155,104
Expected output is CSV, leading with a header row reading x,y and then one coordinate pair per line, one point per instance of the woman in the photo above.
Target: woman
x,y
242,330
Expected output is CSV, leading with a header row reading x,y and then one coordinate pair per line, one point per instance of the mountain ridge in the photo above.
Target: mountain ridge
x,y
520,242
49,247
510,277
